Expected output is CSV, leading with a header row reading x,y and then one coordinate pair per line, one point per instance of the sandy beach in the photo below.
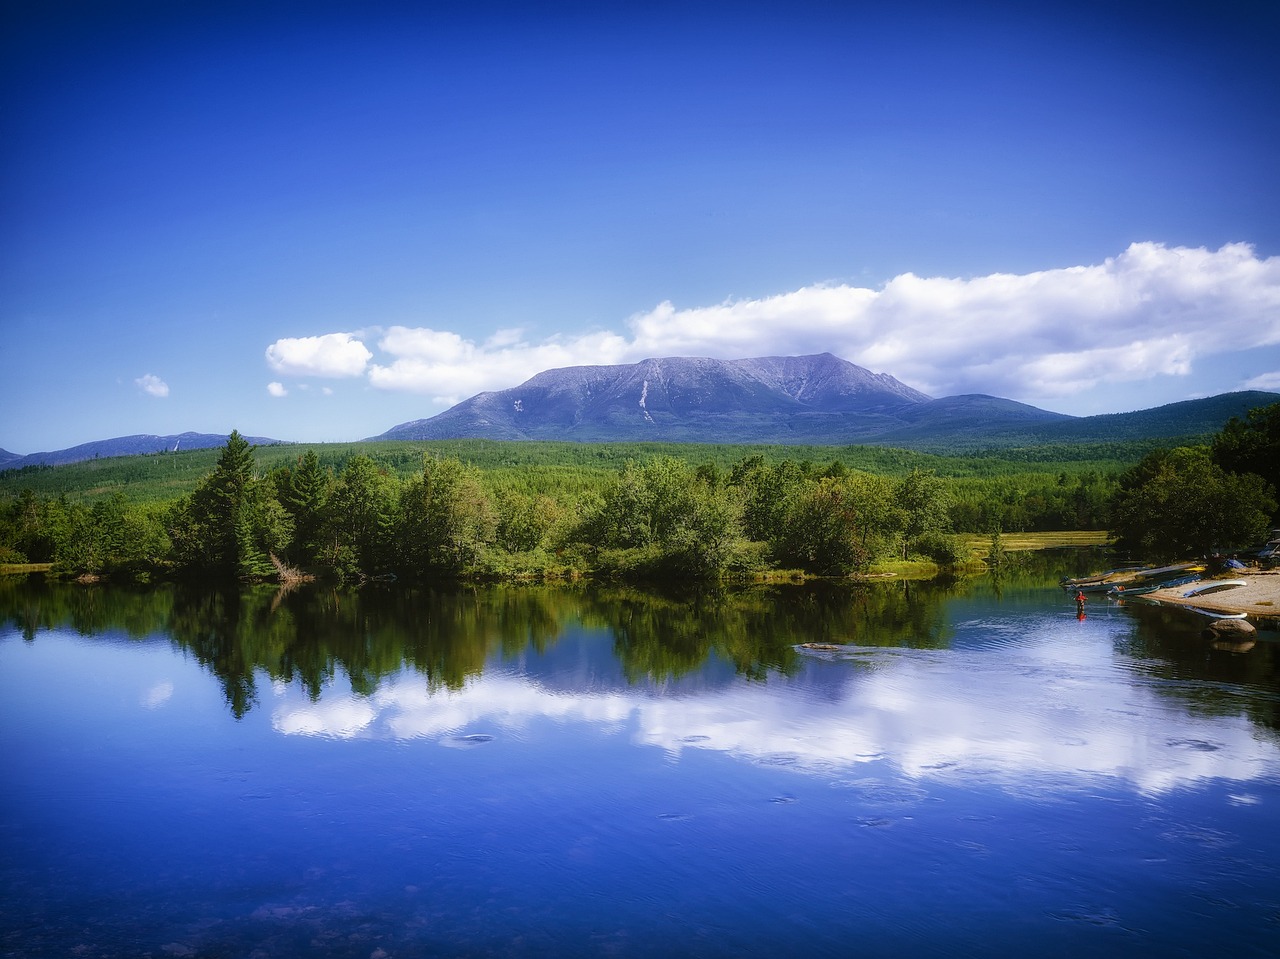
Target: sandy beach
x,y
1259,599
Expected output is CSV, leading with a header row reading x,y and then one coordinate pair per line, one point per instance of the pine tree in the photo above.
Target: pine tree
x,y
304,493
232,521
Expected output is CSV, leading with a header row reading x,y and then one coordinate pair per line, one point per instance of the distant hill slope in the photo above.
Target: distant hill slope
x,y
1186,418
127,446
819,399
968,423
8,459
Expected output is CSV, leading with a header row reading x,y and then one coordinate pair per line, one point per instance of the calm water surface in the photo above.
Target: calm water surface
x,y
539,772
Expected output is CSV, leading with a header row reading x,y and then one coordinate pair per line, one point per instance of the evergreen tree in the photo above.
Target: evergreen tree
x,y
231,522
304,493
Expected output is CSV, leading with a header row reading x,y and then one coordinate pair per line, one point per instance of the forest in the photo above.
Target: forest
x,y
686,512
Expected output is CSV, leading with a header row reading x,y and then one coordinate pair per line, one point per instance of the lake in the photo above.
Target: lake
x,y
973,770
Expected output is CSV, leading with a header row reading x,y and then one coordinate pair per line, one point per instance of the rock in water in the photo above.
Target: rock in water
x,y
1230,631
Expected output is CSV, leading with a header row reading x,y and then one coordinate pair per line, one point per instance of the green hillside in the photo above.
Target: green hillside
x,y
161,477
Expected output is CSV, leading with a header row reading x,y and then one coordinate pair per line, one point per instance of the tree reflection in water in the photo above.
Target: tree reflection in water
x,y
312,634
309,634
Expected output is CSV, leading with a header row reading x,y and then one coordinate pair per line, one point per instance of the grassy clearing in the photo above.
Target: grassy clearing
x,y
903,569
980,545
22,569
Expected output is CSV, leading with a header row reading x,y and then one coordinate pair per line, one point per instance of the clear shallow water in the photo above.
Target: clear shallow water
x,y
543,773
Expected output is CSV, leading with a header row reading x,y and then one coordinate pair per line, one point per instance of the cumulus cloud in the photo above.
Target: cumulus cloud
x,y
152,385
449,368
1152,310
277,389
1267,381
332,354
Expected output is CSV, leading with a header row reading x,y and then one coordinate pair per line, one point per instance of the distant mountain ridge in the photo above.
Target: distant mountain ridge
x,y
134,445
819,399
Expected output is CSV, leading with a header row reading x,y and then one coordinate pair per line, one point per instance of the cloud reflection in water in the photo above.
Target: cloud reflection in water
x,y
1016,719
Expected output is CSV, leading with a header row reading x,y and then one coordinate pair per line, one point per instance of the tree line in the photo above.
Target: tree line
x,y
1197,500
663,518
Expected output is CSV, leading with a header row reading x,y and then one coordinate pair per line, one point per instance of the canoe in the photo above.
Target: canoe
x,y
1215,613
1165,572
1137,575
1100,580
1102,586
1213,586
1120,592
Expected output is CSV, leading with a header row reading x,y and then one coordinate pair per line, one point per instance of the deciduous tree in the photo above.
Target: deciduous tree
x,y
360,522
923,501
1179,503
446,520
1251,445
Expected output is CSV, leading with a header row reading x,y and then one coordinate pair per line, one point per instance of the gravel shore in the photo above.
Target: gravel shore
x,y
1259,599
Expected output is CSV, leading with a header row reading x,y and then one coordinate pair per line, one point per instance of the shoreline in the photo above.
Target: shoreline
x,y
1258,599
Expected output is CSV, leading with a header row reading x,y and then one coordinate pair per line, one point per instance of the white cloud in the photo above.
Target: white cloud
x,y
1151,311
450,368
1267,381
333,354
277,389
152,385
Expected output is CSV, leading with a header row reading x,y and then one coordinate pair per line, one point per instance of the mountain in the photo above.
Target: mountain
x,y
126,446
788,398
818,399
776,399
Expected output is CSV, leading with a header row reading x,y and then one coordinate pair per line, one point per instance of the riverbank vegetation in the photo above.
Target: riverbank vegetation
x,y
490,510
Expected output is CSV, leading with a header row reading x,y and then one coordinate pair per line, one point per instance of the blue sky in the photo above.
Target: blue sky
x,y
316,221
